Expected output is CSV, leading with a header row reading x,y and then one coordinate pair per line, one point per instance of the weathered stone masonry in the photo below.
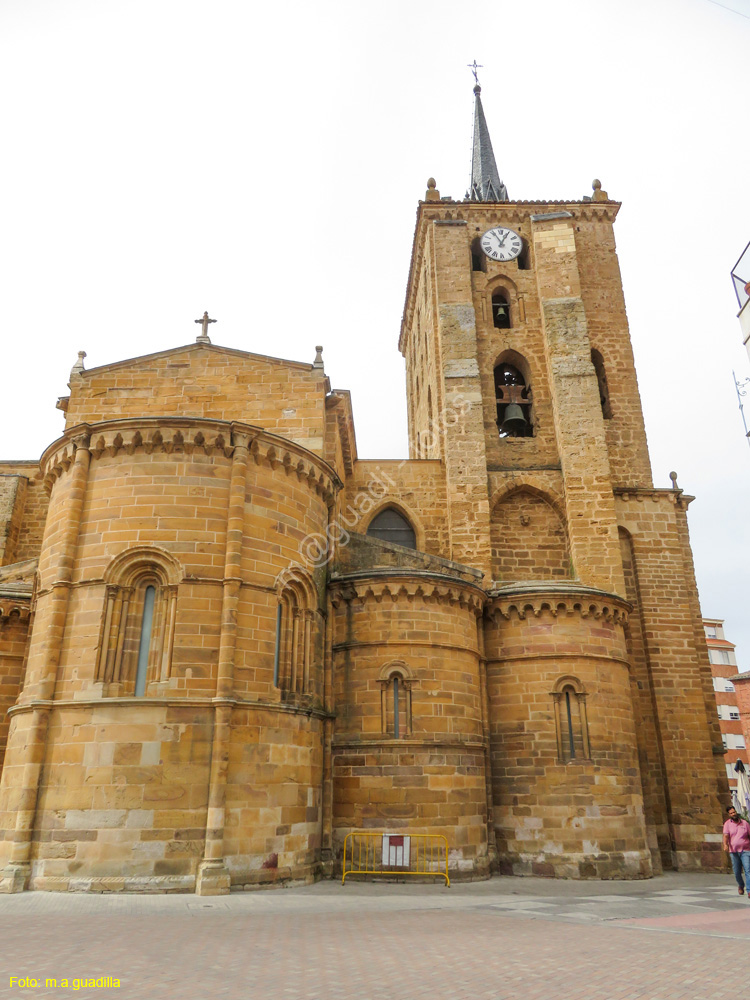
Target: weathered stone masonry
x,y
215,665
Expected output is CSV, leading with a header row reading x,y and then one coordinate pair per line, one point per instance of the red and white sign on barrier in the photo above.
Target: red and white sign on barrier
x,y
395,851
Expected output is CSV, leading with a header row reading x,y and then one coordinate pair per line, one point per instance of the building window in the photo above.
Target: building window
x,y
725,742
513,401
710,631
719,656
136,640
396,684
601,379
144,643
728,686
478,257
571,721
500,311
295,638
734,716
391,526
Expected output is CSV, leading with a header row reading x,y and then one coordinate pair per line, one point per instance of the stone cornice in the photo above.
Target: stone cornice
x,y
532,600
16,606
344,745
406,585
170,702
641,494
186,435
191,348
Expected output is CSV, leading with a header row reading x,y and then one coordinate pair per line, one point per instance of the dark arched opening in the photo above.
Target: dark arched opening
x,y
601,377
478,257
500,311
390,526
513,400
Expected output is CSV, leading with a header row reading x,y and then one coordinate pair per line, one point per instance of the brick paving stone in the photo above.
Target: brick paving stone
x,y
391,942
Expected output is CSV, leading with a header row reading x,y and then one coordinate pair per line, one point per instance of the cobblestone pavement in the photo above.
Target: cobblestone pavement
x,y
679,936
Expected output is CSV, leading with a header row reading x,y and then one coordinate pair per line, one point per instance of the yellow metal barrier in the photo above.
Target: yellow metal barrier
x,y
396,854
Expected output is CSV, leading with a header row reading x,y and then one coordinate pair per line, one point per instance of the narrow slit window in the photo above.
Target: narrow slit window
x,y
569,719
396,702
277,650
396,732
601,377
145,641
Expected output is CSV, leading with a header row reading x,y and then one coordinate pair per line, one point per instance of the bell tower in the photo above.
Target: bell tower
x,y
521,380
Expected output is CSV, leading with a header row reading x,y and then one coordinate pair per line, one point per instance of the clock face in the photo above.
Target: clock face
x,y
501,244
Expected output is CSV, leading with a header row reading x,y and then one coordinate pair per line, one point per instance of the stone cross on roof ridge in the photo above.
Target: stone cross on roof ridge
x,y
203,337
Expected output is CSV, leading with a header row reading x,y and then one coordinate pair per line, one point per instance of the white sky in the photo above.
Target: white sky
x,y
264,162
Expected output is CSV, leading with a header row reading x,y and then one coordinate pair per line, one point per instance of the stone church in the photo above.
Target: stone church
x,y
226,641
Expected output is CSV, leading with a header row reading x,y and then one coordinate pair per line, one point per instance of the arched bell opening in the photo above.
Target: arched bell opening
x,y
500,310
513,402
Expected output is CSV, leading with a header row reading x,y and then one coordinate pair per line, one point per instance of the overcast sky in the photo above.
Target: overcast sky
x,y
264,162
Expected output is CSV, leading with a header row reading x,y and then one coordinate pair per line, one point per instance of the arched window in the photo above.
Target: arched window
x,y
138,622
571,720
144,642
396,684
390,526
513,401
500,310
295,638
478,257
601,378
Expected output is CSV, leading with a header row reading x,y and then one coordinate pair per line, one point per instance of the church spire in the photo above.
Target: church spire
x,y
485,179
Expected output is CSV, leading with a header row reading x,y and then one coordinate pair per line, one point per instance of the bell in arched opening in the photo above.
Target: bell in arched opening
x,y
513,400
500,311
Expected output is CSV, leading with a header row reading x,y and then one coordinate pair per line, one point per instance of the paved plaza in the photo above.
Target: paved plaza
x,y
678,936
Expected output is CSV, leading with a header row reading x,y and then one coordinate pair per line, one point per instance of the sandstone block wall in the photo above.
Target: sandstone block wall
x,y
274,797
23,511
414,488
672,673
431,777
200,380
14,627
529,682
577,814
219,511
123,798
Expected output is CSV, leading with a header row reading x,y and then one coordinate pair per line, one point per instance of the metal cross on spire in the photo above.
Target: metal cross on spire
x,y
203,337
474,67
